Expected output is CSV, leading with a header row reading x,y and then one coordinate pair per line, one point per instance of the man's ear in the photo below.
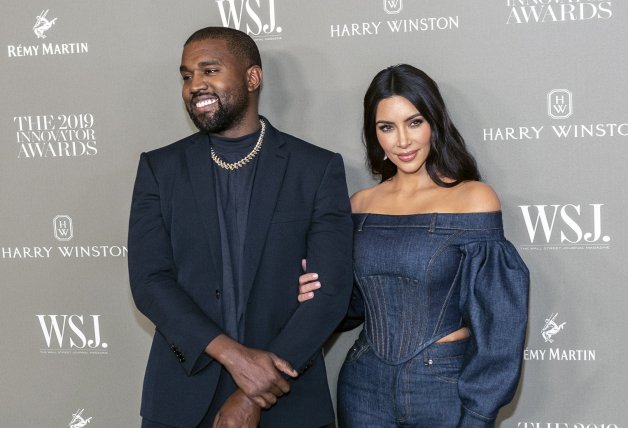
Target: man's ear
x,y
254,77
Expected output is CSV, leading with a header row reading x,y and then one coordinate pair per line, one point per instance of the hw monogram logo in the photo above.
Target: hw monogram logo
x,y
393,6
63,227
232,15
559,104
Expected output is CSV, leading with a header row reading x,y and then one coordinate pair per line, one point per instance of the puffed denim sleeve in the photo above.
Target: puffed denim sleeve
x,y
494,305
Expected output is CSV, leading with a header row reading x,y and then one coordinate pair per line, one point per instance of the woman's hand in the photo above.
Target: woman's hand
x,y
307,284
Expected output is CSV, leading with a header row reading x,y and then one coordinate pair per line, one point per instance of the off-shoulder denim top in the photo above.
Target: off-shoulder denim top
x,y
423,276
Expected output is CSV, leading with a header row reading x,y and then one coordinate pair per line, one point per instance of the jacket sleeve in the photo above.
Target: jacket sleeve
x,y
494,304
329,253
153,277
355,313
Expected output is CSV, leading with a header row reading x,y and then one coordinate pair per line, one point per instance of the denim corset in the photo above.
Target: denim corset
x,y
414,273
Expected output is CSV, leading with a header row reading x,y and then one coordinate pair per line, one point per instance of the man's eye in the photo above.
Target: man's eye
x,y
211,70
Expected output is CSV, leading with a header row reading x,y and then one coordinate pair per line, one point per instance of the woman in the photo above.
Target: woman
x,y
442,293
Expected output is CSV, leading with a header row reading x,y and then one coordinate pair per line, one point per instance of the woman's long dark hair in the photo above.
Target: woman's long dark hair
x,y
448,157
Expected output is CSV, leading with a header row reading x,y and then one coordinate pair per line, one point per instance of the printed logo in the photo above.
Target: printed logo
x,y
42,24
78,421
255,17
563,425
533,11
392,7
41,27
559,104
63,227
55,136
551,328
564,227
63,231
403,25
72,334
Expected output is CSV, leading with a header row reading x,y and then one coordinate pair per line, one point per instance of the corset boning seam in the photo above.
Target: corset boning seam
x,y
452,286
396,316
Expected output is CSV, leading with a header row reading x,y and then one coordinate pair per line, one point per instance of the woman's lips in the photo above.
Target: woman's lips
x,y
408,156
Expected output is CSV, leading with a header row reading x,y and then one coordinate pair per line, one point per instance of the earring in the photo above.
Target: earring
x,y
385,157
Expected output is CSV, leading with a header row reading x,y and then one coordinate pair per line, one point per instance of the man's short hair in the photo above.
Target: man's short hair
x,y
240,44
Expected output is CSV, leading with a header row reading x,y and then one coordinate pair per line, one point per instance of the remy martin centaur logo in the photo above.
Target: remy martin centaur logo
x,y
78,420
551,327
44,24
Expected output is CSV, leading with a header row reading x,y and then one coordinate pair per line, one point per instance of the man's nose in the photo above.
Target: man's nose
x,y
198,82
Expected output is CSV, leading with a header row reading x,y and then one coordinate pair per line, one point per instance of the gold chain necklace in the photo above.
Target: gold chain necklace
x,y
246,159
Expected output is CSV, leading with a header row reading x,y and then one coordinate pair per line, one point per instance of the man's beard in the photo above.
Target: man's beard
x,y
224,117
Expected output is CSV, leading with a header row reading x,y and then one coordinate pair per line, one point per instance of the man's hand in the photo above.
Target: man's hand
x,y
238,412
256,372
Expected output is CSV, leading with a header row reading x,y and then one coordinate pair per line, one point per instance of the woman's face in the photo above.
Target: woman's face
x,y
403,134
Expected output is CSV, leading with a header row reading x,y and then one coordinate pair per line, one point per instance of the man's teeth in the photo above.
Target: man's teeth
x,y
205,103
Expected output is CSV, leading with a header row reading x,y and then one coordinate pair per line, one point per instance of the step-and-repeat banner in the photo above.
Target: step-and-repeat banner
x,y
537,87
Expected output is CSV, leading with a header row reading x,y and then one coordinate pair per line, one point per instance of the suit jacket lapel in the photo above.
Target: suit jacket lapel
x,y
269,176
202,179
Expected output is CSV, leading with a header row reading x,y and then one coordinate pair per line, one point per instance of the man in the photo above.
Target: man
x,y
219,224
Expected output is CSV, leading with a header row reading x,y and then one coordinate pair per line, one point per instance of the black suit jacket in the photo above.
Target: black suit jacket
x,y
299,209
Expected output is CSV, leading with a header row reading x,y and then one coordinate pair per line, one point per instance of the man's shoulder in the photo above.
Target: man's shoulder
x,y
173,149
301,149
165,161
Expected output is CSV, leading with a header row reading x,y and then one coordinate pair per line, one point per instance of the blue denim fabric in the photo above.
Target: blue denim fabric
x,y
421,392
422,277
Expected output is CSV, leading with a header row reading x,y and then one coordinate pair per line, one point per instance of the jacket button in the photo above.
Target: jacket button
x,y
218,294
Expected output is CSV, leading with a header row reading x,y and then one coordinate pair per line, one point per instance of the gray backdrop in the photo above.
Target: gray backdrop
x,y
537,87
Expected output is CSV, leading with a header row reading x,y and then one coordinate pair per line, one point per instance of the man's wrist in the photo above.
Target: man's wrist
x,y
245,399
224,350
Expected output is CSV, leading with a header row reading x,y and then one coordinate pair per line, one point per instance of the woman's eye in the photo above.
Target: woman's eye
x,y
416,123
385,128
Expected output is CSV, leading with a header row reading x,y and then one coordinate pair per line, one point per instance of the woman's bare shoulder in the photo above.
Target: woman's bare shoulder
x,y
360,200
476,196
